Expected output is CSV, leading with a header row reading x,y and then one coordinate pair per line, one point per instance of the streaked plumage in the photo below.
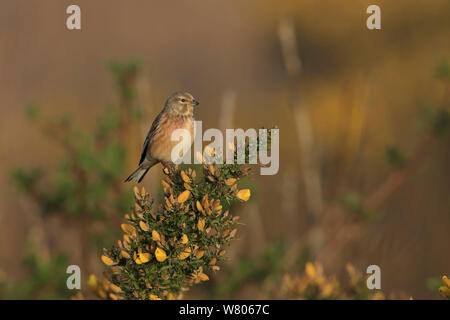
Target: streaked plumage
x,y
178,113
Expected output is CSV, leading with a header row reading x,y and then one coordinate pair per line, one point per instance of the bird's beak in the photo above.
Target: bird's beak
x,y
195,102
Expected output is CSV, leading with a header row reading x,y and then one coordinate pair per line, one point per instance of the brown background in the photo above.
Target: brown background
x,y
363,89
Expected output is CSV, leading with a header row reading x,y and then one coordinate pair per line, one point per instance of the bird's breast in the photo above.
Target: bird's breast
x,y
162,144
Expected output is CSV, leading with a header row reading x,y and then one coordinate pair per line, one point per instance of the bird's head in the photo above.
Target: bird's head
x,y
181,103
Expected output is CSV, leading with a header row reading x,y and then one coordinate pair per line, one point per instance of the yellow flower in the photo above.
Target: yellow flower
x,y
141,258
170,296
116,269
125,254
93,281
114,288
243,194
137,207
143,226
137,193
201,224
216,205
155,235
230,181
205,202
199,206
168,204
184,176
210,152
154,297
166,186
129,229
199,157
107,260
160,254
446,281
112,296
184,254
183,196
203,276
445,290
184,239
199,254
378,296
310,270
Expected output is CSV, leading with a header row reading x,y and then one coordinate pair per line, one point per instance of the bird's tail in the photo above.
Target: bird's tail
x,y
142,170
137,175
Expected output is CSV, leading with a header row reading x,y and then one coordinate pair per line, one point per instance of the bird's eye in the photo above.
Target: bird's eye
x,y
183,100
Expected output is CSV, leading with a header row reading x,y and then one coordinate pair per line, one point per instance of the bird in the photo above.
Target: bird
x,y
178,113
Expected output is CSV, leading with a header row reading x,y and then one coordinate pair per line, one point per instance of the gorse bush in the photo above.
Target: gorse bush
x,y
167,249
315,284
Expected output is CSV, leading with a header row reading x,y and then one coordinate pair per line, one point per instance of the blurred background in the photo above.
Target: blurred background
x,y
363,117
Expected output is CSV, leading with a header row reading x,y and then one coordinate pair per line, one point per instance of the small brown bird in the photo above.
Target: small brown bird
x,y
178,113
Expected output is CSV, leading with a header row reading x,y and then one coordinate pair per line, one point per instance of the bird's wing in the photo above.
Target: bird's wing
x,y
144,150
153,130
